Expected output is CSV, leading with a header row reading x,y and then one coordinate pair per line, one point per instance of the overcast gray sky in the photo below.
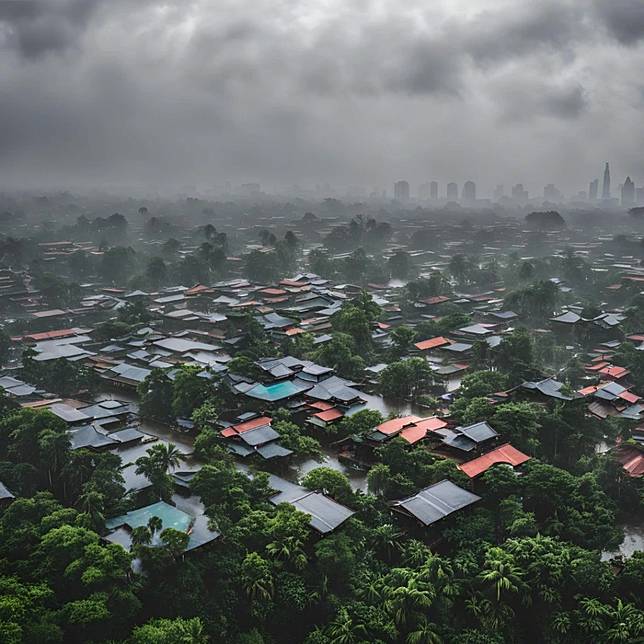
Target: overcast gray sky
x,y
103,92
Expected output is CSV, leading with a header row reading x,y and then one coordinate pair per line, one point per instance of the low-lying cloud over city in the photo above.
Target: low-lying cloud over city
x,y
149,93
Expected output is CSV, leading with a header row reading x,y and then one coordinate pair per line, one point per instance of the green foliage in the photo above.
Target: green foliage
x,y
170,631
156,396
329,481
406,379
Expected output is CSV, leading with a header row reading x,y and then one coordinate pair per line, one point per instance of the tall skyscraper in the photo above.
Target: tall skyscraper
x,y
593,187
452,192
519,194
552,193
401,191
433,190
628,192
606,183
469,192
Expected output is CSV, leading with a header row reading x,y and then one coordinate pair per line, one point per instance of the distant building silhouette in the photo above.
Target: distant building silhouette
x,y
518,193
469,191
452,192
401,191
593,187
628,192
552,193
639,196
433,190
606,183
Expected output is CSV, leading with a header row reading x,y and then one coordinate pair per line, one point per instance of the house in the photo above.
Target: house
x,y
410,428
435,502
547,388
121,527
505,454
326,515
467,439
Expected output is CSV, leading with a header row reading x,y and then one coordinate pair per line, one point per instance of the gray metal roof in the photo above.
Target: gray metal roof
x,y
437,501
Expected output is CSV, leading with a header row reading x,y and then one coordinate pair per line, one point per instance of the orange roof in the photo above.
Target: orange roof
x,y
321,404
396,424
502,454
252,424
383,326
198,288
431,424
615,372
586,391
632,460
292,283
294,330
629,397
329,415
413,434
228,432
51,335
437,299
598,366
273,291
636,337
432,343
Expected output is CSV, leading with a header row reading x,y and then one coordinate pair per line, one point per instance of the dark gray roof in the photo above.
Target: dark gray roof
x,y
273,450
89,436
548,387
259,436
437,501
478,432
326,515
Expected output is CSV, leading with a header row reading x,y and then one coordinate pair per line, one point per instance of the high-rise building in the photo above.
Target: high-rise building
x,y
593,187
423,191
469,191
518,193
639,196
433,190
452,192
606,183
499,192
551,193
401,191
628,192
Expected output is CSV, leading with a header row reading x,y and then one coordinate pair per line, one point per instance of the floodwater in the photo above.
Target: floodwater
x,y
357,477
633,542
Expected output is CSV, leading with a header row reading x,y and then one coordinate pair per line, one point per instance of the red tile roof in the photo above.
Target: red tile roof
x,y
613,371
502,454
329,415
432,343
252,424
632,460
396,424
629,397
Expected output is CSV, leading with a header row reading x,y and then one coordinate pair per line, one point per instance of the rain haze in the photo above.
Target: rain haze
x,y
146,93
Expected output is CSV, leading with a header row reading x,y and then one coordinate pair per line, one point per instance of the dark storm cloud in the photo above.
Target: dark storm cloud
x,y
38,27
623,18
182,91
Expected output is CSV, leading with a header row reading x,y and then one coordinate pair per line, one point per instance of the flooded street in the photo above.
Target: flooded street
x,y
633,542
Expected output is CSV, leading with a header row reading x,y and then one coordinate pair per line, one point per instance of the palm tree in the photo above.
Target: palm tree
x,y
387,538
155,524
424,633
141,536
168,454
501,573
92,503
343,630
